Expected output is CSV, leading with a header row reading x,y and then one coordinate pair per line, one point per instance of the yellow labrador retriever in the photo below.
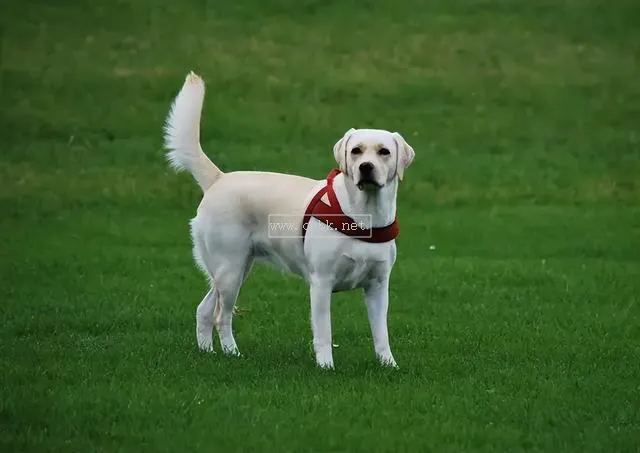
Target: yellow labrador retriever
x,y
338,234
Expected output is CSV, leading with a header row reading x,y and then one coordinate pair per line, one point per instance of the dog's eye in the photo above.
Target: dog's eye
x,y
384,152
356,150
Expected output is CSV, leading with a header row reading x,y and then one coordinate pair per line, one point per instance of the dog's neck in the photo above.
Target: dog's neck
x,y
378,207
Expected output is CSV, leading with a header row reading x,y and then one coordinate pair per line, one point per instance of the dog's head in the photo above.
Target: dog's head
x,y
373,158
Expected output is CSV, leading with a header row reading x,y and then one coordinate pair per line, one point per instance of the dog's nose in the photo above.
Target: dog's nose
x,y
366,168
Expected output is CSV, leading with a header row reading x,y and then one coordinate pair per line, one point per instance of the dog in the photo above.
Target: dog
x,y
234,226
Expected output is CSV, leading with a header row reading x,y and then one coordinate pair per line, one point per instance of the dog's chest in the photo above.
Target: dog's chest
x,y
353,271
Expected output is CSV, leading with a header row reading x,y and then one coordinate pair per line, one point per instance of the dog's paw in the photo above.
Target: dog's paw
x,y
231,350
387,361
324,360
205,344
325,365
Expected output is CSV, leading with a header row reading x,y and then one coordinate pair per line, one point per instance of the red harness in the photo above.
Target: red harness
x,y
332,216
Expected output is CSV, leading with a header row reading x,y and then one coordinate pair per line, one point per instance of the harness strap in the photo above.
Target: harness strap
x,y
333,216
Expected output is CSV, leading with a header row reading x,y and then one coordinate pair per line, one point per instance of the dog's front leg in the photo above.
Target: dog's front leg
x,y
321,321
377,301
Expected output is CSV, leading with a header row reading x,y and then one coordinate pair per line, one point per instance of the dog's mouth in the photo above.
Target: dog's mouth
x,y
368,184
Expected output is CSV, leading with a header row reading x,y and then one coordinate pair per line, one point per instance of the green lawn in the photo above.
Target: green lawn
x,y
520,331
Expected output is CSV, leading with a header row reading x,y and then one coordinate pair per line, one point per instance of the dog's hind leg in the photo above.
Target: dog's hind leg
x,y
228,281
247,270
221,256
206,308
205,320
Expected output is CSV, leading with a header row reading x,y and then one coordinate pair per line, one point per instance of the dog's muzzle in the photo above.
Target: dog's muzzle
x,y
367,176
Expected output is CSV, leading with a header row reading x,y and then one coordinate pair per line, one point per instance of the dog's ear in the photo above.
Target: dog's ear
x,y
405,155
340,150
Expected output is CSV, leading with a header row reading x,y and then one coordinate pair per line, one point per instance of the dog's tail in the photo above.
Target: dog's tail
x,y
182,134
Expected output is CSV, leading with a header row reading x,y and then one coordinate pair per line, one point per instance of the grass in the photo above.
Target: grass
x,y
520,331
